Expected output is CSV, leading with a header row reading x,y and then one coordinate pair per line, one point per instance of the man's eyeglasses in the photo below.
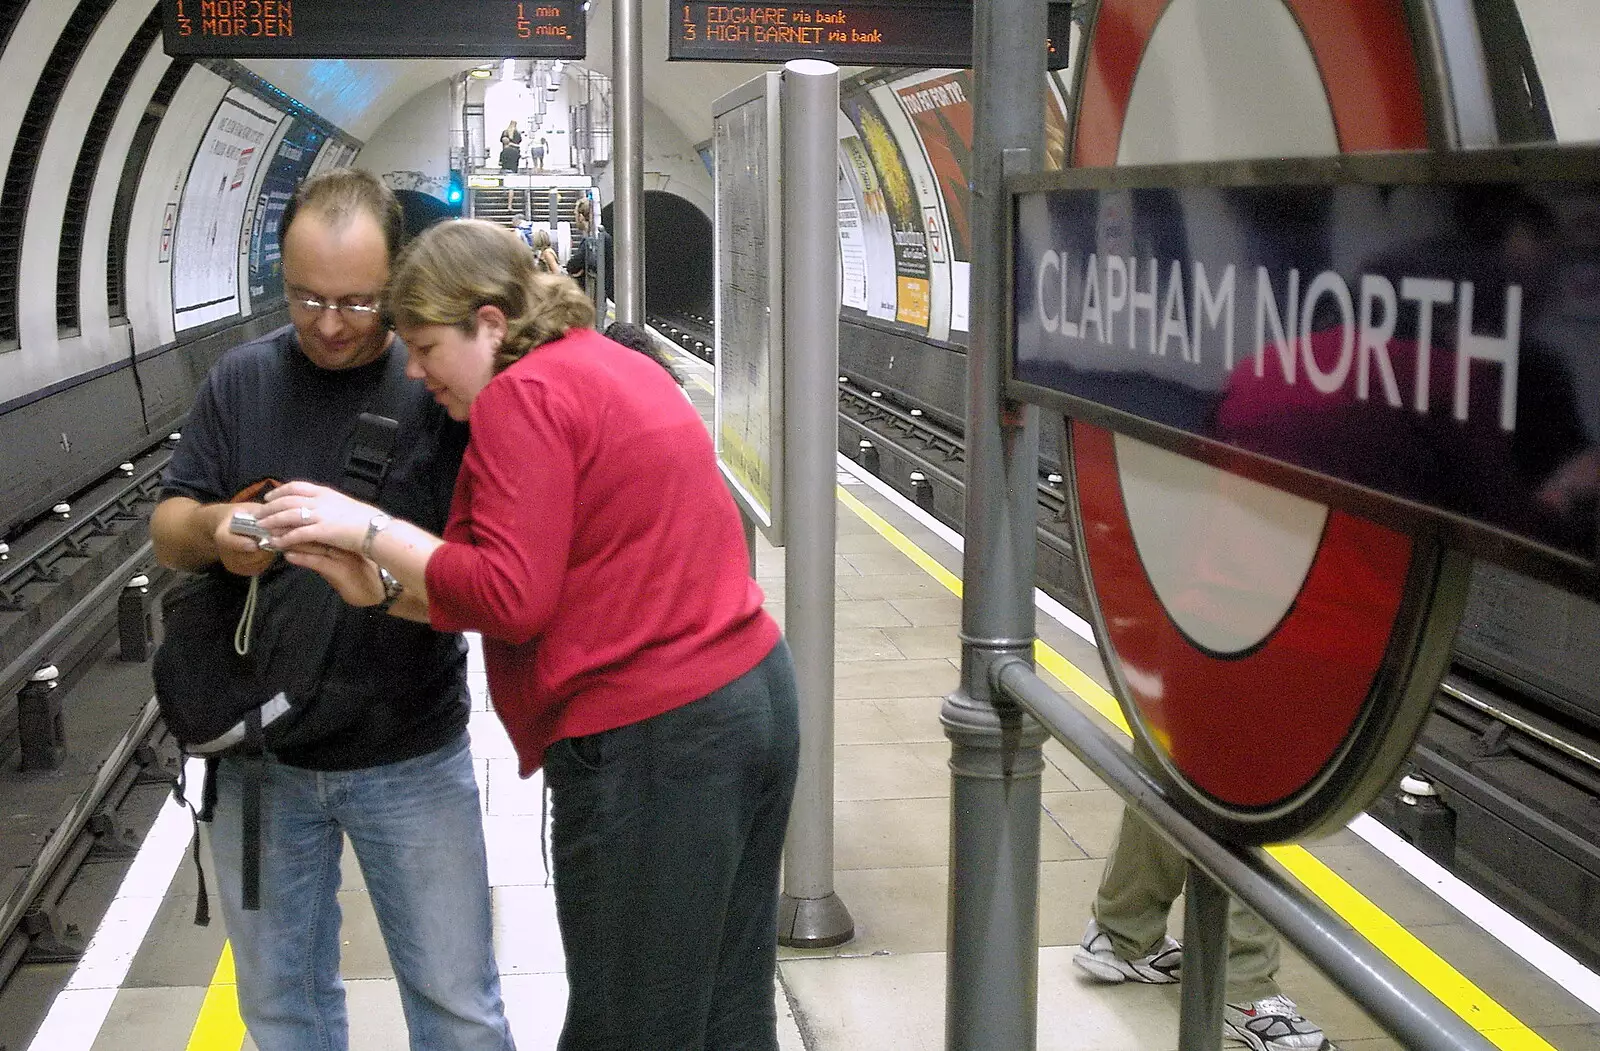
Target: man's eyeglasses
x,y
356,310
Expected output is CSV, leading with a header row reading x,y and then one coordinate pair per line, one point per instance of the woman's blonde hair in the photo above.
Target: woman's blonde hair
x,y
455,267
541,239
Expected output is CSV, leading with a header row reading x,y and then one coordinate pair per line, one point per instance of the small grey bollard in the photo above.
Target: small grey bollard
x,y
922,489
1425,820
40,729
868,455
134,627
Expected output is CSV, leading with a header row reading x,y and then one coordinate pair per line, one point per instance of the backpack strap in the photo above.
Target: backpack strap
x,y
253,767
180,789
371,454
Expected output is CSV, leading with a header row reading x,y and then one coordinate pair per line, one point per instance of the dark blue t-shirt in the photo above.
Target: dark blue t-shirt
x,y
394,689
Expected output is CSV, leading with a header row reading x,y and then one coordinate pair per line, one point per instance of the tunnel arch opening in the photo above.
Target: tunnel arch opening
x,y
677,255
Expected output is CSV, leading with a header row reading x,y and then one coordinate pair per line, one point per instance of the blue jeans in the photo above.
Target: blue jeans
x,y
418,836
667,837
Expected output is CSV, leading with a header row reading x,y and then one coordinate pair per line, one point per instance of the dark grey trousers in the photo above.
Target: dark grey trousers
x,y
667,837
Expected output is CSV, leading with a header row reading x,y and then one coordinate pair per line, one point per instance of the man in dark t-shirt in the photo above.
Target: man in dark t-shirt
x,y
380,753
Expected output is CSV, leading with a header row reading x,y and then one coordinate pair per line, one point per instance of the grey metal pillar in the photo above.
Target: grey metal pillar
x,y
996,758
810,913
1205,961
627,161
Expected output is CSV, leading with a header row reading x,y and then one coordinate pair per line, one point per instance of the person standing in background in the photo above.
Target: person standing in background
x,y
510,148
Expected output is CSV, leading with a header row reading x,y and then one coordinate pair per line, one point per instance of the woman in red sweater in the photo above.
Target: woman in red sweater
x,y
594,545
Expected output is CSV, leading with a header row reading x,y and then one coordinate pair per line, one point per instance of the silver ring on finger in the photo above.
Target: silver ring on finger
x,y
305,515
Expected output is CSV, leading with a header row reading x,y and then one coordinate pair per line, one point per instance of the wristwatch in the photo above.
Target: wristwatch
x,y
375,525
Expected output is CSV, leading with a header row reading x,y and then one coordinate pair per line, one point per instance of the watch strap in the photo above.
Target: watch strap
x,y
392,590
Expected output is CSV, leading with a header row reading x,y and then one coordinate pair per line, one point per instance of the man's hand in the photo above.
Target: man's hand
x,y
193,537
240,555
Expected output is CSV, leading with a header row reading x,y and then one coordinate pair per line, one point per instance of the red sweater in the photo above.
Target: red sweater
x,y
593,543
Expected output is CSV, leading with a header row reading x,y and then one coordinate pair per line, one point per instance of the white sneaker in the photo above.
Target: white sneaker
x,y
1273,1024
1161,966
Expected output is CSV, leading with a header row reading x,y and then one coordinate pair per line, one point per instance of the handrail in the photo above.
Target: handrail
x,y
1406,1010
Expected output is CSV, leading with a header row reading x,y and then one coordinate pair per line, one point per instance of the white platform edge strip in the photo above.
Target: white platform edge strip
x,y
79,1011
1511,932
1539,952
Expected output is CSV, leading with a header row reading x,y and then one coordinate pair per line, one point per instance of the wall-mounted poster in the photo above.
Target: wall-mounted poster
x,y
912,299
205,253
852,247
930,210
335,154
876,248
291,161
939,105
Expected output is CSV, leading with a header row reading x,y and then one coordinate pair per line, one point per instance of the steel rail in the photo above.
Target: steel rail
x,y
60,843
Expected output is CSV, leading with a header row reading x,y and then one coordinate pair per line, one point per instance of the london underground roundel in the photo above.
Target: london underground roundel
x,y
1277,654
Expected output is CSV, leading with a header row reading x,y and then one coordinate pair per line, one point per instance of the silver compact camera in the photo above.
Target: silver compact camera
x,y
243,523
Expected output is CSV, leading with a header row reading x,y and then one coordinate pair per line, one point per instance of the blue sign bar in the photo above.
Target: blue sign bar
x,y
1386,334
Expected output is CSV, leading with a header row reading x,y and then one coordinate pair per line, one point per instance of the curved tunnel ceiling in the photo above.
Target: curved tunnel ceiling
x,y
358,95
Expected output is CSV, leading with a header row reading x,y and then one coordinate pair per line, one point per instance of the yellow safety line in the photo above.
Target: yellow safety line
x,y
219,1027
1453,989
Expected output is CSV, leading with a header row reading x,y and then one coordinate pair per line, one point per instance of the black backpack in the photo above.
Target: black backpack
x,y
240,659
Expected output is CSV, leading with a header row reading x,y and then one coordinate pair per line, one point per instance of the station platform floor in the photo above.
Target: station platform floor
x,y
155,982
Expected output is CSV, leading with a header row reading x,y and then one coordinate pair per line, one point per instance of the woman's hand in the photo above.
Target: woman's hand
x,y
353,577
303,513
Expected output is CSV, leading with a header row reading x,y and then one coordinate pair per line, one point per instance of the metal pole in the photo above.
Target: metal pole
x,y
627,162
1395,1000
810,913
996,758
1205,961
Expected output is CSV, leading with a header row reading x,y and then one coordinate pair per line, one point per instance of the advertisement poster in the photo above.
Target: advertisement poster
x,y
296,152
912,299
211,212
877,239
939,107
852,247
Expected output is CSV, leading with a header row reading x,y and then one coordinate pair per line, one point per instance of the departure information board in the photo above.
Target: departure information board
x,y
860,33
373,28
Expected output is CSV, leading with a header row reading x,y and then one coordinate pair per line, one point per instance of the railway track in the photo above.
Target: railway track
x,y
87,759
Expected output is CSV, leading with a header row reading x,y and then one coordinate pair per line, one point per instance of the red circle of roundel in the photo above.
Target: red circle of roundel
x,y
1252,729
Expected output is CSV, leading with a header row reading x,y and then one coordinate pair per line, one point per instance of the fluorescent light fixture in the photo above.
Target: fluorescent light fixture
x,y
508,69
481,74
